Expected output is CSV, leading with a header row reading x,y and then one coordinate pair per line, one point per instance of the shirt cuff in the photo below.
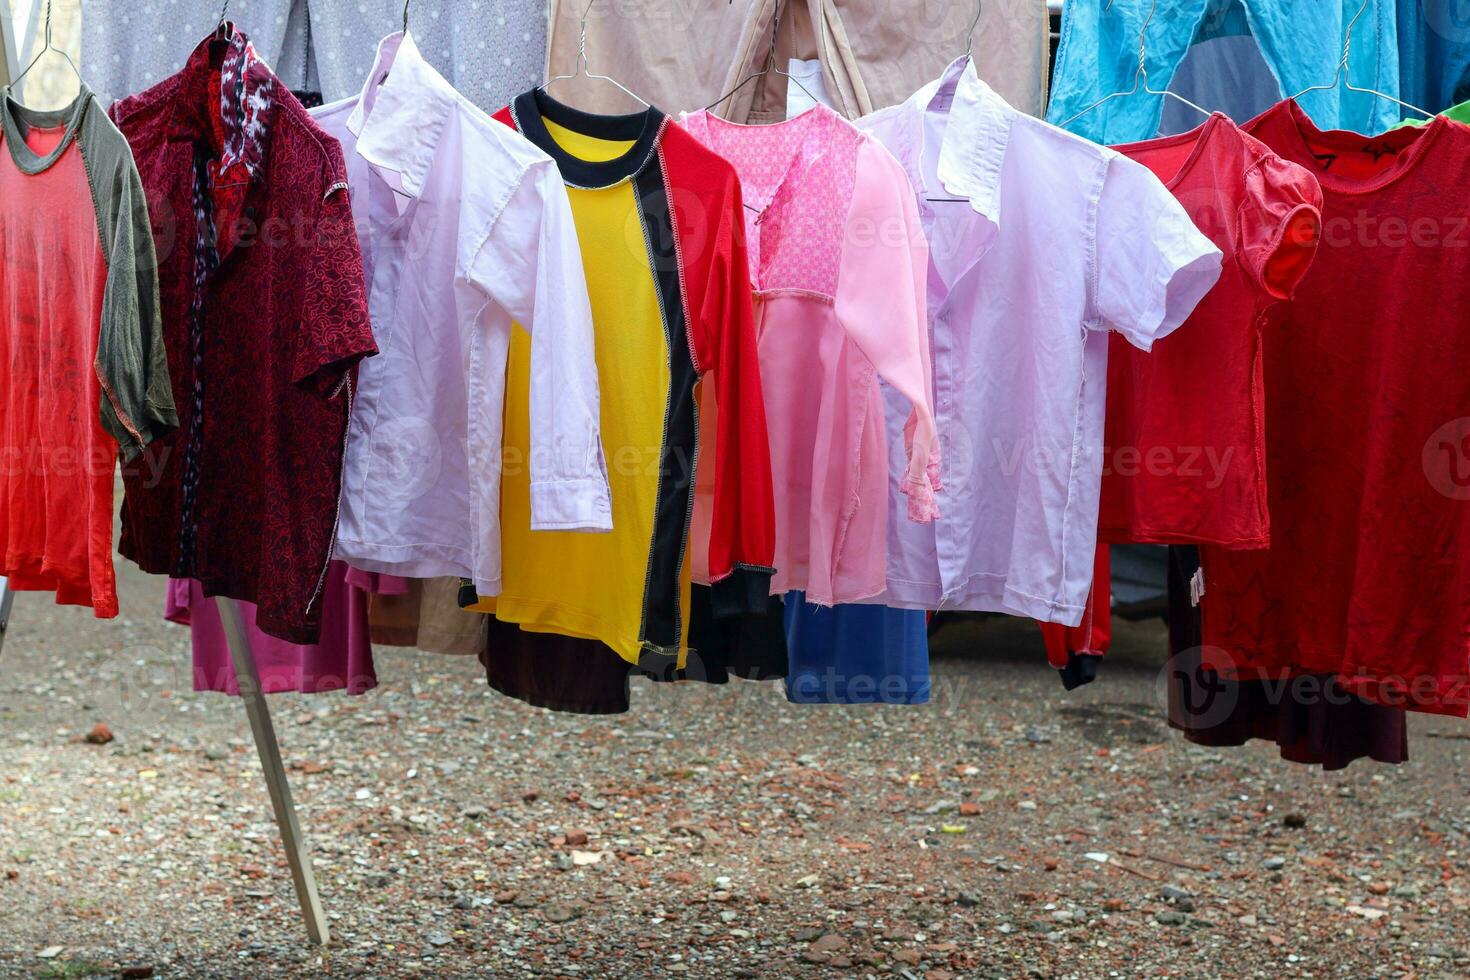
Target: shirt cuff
x,y
747,589
571,505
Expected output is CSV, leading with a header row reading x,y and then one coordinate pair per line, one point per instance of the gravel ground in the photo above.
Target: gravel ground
x,y
1007,829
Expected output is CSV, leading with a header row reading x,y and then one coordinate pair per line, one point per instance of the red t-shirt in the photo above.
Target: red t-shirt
x,y
1368,572
82,367
264,315
1186,452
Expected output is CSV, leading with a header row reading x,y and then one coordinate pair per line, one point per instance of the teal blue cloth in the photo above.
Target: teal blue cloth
x,y
1434,54
855,654
1301,41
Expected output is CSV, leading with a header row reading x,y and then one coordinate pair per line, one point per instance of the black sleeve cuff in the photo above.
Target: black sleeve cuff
x,y
745,590
1081,669
467,595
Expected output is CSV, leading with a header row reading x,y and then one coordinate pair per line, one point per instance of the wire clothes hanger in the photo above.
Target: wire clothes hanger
x,y
583,68
222,29
1340,75
1141,74
47,46
770,66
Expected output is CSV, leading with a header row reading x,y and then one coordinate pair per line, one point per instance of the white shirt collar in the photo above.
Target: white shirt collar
x,y
400,114
976,134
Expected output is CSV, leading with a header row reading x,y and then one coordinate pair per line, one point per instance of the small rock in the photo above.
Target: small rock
x,y
1274,863
136,971
830,943
50,952
1170,917
1248,921
473,812
439,939
1173,893
1294,820
968,899
809,881
100,734
576,838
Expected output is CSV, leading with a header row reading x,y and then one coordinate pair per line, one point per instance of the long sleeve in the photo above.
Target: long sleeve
x,y
882,303
742,543
131,363
531,264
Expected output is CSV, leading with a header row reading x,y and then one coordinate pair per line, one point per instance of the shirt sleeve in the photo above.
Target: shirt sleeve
x,y
530,263
335,331
742,544
1151,265
882,303
1280,222
131,362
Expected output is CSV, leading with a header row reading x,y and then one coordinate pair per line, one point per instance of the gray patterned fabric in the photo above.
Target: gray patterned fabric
x,y
490,50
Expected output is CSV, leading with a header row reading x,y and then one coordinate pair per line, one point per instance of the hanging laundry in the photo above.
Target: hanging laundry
x,y
1366,432
1302,41
1186,436
660,220
1041,244
855,654
264,317
86,376
488,49
1310,718
1434,53
342,660
683,56
838,262
422,613
465,227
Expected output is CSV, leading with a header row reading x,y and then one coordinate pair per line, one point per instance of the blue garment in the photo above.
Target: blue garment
x,y
855,654
1434,54
1301,41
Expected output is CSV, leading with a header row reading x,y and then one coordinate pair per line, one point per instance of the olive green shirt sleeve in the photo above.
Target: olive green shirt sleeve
x,y
132,363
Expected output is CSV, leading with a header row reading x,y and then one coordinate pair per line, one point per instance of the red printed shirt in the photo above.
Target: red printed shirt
x,y
264,317
1186,431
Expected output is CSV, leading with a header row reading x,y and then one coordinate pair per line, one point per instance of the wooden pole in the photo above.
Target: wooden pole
x,y
248,676
7,598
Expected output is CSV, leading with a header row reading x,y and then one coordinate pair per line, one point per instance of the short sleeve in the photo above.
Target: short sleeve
x,y
131,362
1280,223
1151,265
335,331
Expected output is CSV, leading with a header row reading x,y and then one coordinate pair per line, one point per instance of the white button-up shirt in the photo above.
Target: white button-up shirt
x,y
1040,243
465,227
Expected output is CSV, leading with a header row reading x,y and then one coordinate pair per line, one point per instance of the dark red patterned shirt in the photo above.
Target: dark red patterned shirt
x,y
265,317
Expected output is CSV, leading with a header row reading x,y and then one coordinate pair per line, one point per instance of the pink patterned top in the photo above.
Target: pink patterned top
x,y
838,259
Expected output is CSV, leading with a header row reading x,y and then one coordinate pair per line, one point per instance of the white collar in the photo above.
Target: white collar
x,y
976,134
400,114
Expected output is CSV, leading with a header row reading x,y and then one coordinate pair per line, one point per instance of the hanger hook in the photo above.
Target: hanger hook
x,y
970,34
405,16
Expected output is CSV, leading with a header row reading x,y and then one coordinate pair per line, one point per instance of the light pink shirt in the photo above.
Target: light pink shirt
x,y
838,262
465,226
1041,243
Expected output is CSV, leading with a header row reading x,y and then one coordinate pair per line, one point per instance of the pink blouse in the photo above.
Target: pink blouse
x,y
838,261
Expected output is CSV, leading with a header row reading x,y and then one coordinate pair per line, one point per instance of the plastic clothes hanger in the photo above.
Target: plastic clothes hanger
x,y
1140,74
583,69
